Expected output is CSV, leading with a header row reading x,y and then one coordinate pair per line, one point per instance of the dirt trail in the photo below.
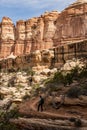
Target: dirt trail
x,y
48,119
32,106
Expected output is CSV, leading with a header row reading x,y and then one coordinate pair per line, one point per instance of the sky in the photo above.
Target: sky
x,y
26,9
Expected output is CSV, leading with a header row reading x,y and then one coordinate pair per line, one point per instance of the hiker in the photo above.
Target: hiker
x,y
40,103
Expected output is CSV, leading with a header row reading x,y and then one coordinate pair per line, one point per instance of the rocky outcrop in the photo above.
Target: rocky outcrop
x,y
7,37
20,38
27,36
47,58
49,28
71,24
44,32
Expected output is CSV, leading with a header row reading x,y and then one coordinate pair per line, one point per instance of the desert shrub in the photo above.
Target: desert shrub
x,y
83,73
19,86
67,79
11,82
5,119
84,86
9,85
25,97
14,113
1,96
54,87
58,77
78,123
83,90
30,72
35,90
72,119
11,70
73,92
8,126
49,80
78,73
75,72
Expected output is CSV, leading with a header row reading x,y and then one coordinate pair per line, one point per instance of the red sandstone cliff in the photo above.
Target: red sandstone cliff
x,y
48,30
7,37
71,25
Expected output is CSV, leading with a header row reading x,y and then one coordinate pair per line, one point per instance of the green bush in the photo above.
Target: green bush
x,y
10,114
67,79
83,73
75,72
29,71
58,77
78,73
5,119
8,126
47,81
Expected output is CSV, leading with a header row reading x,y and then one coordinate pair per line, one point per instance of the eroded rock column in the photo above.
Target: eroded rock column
x,y
49,28
7,37
20,38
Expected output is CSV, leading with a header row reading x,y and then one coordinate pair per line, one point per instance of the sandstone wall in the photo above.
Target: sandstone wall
x,y
71,25
55,57
27,36
7,37
69,51
47,31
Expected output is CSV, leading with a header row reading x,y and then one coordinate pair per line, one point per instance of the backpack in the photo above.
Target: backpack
x,y
42,100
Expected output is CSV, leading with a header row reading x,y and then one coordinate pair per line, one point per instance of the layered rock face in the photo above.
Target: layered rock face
x,y
27,36
20,38
71,25
7,37
44,32
49,28
54,57
35,34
